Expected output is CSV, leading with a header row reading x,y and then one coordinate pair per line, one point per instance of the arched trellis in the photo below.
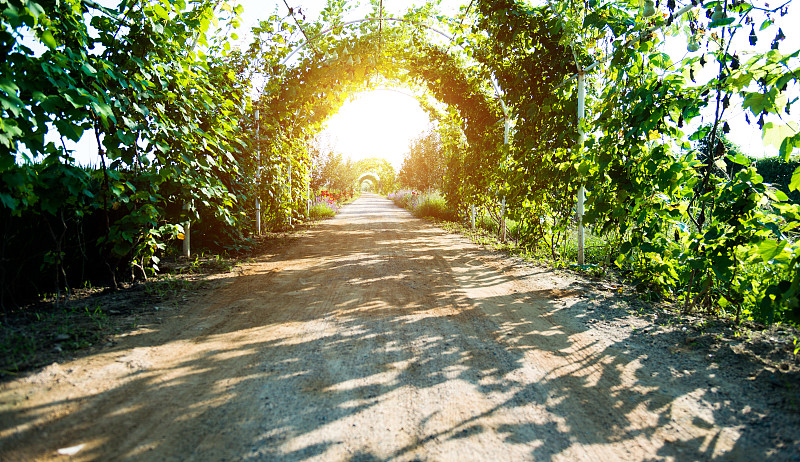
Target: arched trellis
x,y
373,177
286,98
329,30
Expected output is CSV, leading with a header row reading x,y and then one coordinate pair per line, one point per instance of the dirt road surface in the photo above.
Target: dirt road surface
x,y
377,336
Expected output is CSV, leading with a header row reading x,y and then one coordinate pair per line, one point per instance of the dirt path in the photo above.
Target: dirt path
x,y
377,336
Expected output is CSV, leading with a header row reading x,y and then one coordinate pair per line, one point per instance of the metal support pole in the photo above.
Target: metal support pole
x,y
581,139
503,207
258,216
258,173
472,216
289,173
503,220
308,193
187,227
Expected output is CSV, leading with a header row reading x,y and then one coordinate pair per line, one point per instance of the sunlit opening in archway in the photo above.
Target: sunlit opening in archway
x,y
377,123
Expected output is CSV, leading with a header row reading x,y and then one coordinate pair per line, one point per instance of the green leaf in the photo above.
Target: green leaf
x,y
756,102
67,128
88,70
780,195
721,22
584,167
769,248
8,201
794,185
775,134
47,38
161,12
788,145
35,9
740,159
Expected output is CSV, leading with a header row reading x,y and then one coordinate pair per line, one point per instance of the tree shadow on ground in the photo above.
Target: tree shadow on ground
x,y
376,337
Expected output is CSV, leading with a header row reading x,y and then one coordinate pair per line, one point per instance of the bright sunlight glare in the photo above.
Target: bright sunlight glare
x,y
377,123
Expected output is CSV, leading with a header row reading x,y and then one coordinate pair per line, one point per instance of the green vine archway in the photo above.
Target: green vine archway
x,y
170,104
380,171
373,179
300,98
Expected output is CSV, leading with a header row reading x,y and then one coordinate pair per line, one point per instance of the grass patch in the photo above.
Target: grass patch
x,y
48,331
424,205
321,211
433,205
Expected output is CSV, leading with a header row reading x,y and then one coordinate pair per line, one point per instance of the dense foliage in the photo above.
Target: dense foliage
x,y
127,77
424,204
722,243
168,100
425,164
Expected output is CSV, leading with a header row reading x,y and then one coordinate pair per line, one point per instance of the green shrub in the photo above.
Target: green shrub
x,y
779,174
404,199
485,222
321,210
433,205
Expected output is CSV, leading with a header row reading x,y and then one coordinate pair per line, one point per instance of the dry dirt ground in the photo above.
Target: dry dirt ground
x,y
377,336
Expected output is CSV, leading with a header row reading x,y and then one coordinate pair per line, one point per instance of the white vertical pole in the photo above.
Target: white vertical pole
x,y
187,245
503,220
503,208
308,191
581,139
258,173
258,217
472,215
289,172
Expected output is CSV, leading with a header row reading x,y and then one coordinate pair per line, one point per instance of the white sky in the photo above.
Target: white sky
x,y
379,123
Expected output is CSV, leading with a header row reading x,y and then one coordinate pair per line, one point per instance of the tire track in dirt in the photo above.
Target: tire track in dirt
x,y
375,336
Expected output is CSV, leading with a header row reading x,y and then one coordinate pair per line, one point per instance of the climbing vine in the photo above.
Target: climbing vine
x,y
190,129
722,243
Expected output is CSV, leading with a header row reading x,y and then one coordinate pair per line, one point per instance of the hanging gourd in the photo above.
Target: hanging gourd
x,y
718,13
649,9
693,45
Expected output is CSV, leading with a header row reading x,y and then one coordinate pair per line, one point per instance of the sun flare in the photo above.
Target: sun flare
x,y
377,123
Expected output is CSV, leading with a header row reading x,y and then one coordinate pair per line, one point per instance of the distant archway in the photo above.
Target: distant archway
x,y
301,96
372,178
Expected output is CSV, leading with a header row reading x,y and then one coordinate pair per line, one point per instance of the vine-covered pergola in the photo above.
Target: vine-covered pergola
x,y
310,86
169,103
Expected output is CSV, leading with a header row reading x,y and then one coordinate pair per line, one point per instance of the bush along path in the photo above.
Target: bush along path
x,y
376,335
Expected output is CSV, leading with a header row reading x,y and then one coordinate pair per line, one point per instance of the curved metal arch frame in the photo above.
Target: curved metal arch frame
x,y
449,37
492,81
368,175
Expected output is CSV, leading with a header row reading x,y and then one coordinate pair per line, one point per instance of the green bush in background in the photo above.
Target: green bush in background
x,y
433,205
422,205
779,174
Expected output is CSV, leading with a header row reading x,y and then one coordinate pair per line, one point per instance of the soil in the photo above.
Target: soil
x,y
378,336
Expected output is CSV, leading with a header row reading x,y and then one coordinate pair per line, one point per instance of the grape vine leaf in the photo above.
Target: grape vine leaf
x,y
794,185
